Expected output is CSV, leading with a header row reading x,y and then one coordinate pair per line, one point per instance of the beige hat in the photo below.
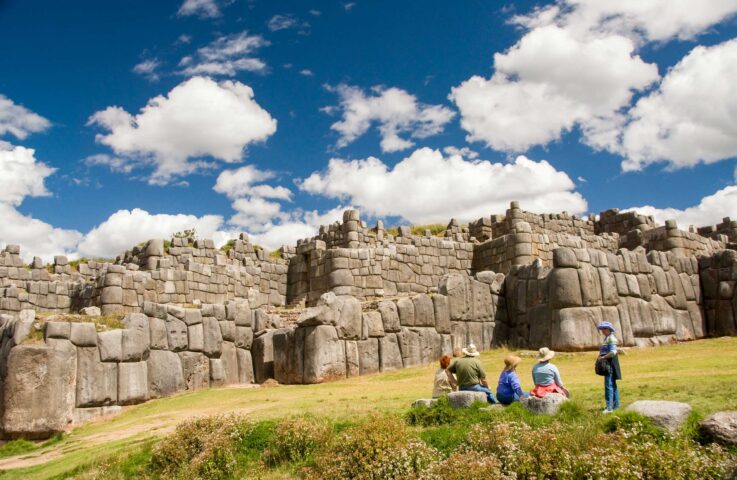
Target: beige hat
x,y
545,354
471,351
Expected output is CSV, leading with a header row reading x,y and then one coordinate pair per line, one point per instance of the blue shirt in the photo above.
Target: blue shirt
x,y
545,374
508,385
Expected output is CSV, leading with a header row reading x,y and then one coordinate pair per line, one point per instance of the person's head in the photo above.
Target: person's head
x,y
470,351
511,362
458,352
545,355
444,361
606,328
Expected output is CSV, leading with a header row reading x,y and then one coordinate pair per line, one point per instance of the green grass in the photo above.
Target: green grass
x,y
701,373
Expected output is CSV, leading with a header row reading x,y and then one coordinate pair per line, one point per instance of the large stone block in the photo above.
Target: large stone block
x,y
134,345
409,346
245,366
288,351
58,330
97,381
39,390
721,427
442,313
111,295
140,322
164,372
176,332
390,356
213,338
324,355
588,277
389,316
262,352
373,324
111,345
157,334
230,363
564,288
352,359
430,344
243,337
455,287
464,399
575,328
195,370
424,310
217,373
83,334
668,415
368,356
132,383
564,258
406,310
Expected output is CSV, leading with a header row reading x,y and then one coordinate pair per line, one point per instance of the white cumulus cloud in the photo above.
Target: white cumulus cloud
x,y
226,55
393,110
148,68
17,120
22,175
690,118
197,118
427,187
709,211
201,8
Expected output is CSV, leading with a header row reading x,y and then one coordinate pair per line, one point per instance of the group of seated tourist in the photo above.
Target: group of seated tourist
x,y
465,373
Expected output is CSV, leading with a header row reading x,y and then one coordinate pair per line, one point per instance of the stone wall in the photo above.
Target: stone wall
x,y
719,277
651,298
340,337
79,370
728,228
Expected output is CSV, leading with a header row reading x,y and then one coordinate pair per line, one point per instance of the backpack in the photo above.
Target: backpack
x,y
603,367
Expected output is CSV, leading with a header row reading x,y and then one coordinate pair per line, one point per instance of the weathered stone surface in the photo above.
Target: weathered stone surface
x,y
140,322
245,366
230,363
218,376
389,316
227,330
288,352
373,324
110,344
176,332
564,258
409,346
324,355
132,383
243,337
352,359
454,286
192,316
164,372
465,399
134,345
262,352
83,334
406,310
666,414
575,328
349,325
58,330
97,381
390,356
90,311
442,313
213,338
424,311
721,427
548,405
195,370
39,390
368,356
81,416
111,295
158,336
564,288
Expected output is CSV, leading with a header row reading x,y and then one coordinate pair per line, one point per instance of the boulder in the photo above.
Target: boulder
x,y
464,399
666,414
424,402
164,374
389,316
58,330
39,390
213,338
97,381
548,405
324,355
721,427
195,370
132,383
90,311
83,334
390,357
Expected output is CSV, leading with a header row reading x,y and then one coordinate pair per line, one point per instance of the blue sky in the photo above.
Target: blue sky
x,y
427,110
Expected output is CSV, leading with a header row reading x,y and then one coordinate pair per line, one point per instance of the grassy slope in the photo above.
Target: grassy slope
x,y
702,373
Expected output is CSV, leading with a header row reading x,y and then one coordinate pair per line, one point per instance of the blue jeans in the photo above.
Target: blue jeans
x,y
611,393
480,388
505,400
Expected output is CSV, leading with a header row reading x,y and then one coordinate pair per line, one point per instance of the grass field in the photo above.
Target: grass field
x,y
702,373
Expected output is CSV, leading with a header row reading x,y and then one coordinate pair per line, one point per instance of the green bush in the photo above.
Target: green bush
x,y
296,441
465,464
634,426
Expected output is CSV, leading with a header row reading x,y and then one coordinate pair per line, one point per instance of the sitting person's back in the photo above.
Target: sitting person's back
x,y
470,374
508,388
546,375
444,382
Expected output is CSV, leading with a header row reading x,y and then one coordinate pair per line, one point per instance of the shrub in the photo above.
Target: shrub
x,y
438,413
403,461
636,427
465,464
296,440
358,450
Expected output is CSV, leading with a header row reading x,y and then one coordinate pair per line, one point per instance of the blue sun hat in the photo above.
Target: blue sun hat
x,y
604,325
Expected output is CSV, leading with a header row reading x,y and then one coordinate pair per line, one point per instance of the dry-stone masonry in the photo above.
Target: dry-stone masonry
x,y
353,300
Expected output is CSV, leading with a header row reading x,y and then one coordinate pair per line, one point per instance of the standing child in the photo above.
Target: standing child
x,y
608,352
